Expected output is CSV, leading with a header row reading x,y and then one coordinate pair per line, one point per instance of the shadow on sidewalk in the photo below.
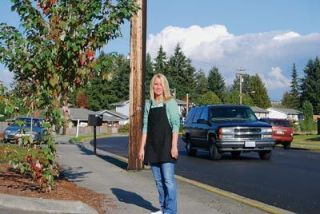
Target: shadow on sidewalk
x,y
133,198
112,160
73,174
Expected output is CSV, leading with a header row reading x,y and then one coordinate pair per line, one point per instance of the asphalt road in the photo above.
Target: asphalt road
x,y
290,180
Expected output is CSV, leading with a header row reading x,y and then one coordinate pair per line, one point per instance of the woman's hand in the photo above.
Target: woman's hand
x,y
141,155
174,152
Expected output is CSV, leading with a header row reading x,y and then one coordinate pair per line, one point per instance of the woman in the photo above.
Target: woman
x,y
159,144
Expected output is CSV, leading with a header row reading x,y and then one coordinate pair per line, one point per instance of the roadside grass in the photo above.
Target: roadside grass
x,y
86,138
304,141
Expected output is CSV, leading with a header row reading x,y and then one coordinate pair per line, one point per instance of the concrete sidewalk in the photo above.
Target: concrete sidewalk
x,y
134,192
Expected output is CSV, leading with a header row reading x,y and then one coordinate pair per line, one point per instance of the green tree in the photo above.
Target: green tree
x,y
56,52
57,49
245,84
201,83
149,74
287,100
307,124
180,74
294,93
2,103
112,83
208,98
160,64
216,82
310,87
233,97
258,92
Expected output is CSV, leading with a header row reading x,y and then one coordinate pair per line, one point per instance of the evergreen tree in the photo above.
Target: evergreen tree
x,y
201,82
111,84
259,93
307,124
245,84
287,100
310,87
160,64
294,93
181,74
216,83
149,75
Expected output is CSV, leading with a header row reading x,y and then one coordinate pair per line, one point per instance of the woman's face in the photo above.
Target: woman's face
x,y
157,87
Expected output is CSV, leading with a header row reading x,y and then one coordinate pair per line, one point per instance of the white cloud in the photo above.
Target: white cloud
x,y
260,53
276,79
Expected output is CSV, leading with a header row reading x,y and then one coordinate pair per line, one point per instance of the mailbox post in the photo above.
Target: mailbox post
x,y
95,120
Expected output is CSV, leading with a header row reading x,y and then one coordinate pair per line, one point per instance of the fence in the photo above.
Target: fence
x,y
89,130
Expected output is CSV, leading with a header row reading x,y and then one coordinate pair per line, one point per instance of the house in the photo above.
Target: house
x,y
260,112
285,113
81,115
79,122
109,115
124,106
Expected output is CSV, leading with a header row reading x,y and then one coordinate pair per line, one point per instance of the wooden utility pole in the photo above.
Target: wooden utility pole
x,y
137,66
240,74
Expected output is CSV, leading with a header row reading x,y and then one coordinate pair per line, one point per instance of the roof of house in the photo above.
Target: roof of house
x,y
80,113
181,102
110,118
83,114
256,109
113,113
287,110
121,103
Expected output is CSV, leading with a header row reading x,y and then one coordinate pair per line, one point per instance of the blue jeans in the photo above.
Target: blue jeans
x,y
166,184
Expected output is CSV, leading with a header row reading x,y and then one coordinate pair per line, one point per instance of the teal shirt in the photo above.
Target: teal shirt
x,y
172,110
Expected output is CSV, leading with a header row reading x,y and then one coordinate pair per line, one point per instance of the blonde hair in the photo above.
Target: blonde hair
x,y
165,84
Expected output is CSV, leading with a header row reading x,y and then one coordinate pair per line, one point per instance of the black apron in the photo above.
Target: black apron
x,y
159,137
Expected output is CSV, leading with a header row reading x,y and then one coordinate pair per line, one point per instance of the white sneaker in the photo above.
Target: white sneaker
x,y
157,212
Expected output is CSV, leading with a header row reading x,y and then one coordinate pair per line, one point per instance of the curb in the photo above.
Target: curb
x,y
241,199
39,205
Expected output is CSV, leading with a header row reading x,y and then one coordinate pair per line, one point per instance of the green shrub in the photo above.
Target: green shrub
x,y
124,128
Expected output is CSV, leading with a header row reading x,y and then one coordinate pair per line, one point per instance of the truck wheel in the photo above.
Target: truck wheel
x,y
287,145
214,153
265,155
236,154
189,148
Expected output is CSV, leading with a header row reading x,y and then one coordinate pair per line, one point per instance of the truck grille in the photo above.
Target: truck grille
x,y
247,133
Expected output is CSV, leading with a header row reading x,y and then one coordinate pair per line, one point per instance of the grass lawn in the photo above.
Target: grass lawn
x,y
86,138
311,142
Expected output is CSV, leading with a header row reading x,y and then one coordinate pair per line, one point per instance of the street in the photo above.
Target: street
x,y
290,180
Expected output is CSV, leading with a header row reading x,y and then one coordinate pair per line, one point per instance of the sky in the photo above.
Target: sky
x,y
264,37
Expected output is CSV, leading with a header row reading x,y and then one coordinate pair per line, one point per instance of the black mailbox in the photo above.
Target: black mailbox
x,y
318,124
95,119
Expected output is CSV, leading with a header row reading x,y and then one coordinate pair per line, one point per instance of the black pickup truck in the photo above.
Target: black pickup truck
x,y
226,128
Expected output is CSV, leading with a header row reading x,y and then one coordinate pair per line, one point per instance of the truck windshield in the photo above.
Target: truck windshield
x,y
242,113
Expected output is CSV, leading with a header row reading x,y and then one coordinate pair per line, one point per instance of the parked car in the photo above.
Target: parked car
x,y
227,128
282,131
25,126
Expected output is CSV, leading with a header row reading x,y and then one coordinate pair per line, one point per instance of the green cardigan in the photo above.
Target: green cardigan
x,y
172,114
